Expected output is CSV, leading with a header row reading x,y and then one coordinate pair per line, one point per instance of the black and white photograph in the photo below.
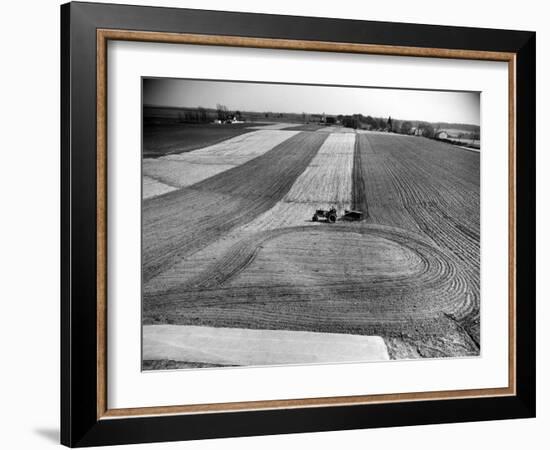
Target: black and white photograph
x,y
305,224
275,225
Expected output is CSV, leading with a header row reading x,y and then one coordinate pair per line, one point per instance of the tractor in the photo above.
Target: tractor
x,y
329,215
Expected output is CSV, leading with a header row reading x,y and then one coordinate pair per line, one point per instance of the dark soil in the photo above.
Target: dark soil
x,y
159,140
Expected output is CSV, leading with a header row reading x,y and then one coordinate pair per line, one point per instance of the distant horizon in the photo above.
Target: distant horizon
x,y
401,104
308,113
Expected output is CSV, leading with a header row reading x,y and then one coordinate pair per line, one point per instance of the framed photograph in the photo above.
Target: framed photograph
x,y
276,224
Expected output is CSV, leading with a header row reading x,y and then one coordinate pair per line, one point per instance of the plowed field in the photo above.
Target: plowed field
x,y
181,222
185,169
325,183
239,249
166,139
429,188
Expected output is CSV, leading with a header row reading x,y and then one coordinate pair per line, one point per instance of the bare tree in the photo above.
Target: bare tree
x,y
222,111
202,115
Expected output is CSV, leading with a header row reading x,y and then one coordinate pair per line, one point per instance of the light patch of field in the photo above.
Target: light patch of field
x,y
152,187
181,173
384,133
238,150
336,129
307,259
274,126
470,149
326,182
246,347
328,177
284,214
186,169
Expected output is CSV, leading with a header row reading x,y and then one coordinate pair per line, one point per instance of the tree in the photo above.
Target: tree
x,y
350,122
406,127
222,111
371,123
202,115
427,130
381,123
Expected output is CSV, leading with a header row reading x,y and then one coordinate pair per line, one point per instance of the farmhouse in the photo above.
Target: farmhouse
x,y
442,135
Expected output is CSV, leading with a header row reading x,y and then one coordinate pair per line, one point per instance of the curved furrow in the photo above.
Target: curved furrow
x,y
433,272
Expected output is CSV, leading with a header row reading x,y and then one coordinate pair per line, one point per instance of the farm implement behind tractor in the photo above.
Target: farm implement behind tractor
x,y
331,215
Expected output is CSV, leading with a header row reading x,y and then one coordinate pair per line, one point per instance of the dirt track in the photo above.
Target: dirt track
x,y
223,253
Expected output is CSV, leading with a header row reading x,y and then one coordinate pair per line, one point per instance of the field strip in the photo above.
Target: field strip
x,y
326,182
475,150
274,126
152,187
421,185
385,133
336,129
247,347
186,169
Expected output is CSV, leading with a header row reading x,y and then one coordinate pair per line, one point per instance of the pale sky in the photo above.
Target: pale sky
x,y
431,106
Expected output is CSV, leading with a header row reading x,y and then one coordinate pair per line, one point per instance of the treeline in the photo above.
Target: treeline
x,y
427,129
167,114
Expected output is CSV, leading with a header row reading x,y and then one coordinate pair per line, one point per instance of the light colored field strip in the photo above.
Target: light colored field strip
x,y
385,133
275,126
152,187
326,182
475,150
185,169
245,347
336,129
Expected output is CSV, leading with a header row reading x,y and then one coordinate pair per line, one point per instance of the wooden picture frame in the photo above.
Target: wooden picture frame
x,y
86,418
